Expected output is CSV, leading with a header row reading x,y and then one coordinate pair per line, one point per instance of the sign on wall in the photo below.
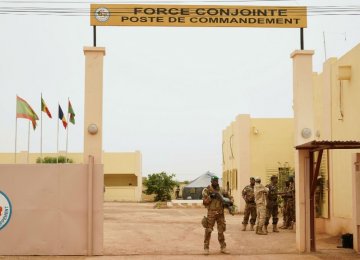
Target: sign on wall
x,y
5,210
198,16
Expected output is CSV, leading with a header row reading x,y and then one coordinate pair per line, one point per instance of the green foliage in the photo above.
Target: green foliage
x,y
59,159
186,182
160,184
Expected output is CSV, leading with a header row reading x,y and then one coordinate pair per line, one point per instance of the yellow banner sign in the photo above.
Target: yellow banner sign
x,y
198,16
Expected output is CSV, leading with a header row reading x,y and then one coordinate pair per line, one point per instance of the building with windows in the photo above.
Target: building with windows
x,y
256,147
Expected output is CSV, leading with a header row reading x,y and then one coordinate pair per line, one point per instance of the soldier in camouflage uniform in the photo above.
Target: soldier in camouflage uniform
x,y
285,205
215,213
250,208
291,203
272,204
260,199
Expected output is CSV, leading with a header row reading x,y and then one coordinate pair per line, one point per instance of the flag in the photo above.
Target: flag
x,y
24,110
62,117
44,108
72,113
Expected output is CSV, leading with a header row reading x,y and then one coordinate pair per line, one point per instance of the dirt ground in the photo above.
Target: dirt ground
x,y
140,231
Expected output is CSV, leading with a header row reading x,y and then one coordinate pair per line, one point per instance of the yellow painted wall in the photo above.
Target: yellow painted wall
x,y
272,146
120,180
346,129
127,163
120,194
340,103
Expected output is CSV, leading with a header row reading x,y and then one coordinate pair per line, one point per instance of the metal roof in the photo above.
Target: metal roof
x,y
322,145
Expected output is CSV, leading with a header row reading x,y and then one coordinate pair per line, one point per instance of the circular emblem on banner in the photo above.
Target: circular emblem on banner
x,y
5,210
102,14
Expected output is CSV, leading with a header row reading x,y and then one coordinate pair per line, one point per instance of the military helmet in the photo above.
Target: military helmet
x,y
214,177
257,179
252,178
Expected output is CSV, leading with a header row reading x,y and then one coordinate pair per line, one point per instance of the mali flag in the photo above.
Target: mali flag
x,y
72,113
62,117
44,108
24,110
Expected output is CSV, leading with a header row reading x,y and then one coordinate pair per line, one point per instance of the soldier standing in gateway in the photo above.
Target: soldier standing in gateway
x,y
272,204
250,207
215,213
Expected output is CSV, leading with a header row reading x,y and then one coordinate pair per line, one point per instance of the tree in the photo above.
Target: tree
x,y
160,184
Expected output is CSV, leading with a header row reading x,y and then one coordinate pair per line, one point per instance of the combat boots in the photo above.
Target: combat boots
x,y
275,229
260,231
265,229
291,226
224,251
244,227
284,226
251,227
206,251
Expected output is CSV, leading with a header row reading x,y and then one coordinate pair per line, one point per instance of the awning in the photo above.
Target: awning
x,y
323,145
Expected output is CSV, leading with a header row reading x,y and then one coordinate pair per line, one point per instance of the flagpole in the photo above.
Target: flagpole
x,y
41,131
57,145
15,131
67,133
28,143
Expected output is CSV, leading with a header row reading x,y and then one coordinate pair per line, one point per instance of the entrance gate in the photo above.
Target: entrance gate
x,y
173,16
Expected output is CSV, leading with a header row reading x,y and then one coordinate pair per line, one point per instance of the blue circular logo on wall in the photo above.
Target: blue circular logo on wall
x,y
5,210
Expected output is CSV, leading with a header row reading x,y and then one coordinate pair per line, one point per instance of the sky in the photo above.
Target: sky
x,y
168,92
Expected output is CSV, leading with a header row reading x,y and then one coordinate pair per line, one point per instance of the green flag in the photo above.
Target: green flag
x,y
24,110
72,113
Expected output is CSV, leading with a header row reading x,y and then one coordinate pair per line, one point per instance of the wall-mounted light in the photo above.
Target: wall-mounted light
x,y
306,133
92,129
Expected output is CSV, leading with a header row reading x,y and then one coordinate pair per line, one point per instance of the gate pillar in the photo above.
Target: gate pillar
x,y
93,128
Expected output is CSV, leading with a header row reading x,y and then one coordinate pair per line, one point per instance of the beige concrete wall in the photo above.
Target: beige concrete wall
x,y
118,164
52,209
251,146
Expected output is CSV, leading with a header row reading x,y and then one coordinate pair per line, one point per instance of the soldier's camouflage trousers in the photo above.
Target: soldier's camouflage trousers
x,y
272,211
250,209
261,214
219,218
285,212
290,214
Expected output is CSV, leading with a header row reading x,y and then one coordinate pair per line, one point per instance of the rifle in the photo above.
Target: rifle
x,y
226,201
